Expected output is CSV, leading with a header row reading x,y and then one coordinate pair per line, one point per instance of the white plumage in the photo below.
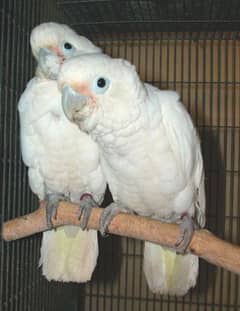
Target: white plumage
x,y
60,159
150,155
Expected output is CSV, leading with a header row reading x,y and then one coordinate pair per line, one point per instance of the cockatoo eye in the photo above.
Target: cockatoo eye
x,y
100,85
67,46
68,49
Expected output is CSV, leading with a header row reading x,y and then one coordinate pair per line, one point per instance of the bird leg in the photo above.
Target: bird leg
x,y
108,214
187,228
52,205
200,215
86,206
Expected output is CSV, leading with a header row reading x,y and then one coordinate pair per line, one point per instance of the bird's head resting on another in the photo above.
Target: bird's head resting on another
x,y
97,89
53,43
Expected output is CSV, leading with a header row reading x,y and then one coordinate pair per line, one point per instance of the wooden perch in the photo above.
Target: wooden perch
x,y
204,244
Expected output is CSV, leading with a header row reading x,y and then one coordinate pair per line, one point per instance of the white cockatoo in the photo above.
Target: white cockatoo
x,y
150,154
62,161
53,43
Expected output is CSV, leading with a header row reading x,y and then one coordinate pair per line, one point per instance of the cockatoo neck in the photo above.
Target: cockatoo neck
x,y
112,126
120,113
39,73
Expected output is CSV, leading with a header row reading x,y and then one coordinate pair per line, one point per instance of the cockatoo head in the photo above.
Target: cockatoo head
x,y
53,43
97,89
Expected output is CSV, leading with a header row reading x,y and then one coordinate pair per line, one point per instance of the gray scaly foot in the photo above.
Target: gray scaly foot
x,y
108,214
200,215
86,206
187,228
52,205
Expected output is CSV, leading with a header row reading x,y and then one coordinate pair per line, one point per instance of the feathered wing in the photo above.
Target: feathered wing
x,y
185,144
30,148
68,253
167,272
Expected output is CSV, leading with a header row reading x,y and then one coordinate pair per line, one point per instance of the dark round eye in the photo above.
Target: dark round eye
x,y
100,85
67,46
101,82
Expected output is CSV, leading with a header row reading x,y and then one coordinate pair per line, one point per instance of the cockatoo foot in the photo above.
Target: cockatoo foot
x,y
86,206
200,215
52,205
187,228
108,214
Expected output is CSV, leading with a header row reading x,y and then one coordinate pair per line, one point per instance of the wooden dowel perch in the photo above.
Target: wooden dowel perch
x,y
204,244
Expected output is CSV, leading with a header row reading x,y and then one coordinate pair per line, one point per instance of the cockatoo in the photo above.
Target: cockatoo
x,y
53,43
150,155
62,161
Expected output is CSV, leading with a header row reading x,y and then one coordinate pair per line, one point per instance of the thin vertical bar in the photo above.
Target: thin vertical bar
x,y
127,240
218,176
189,71
153,81
238,204
134,241
212,154
168,53
232,157
2,179
182,62
175,62
141,243
119,278
145,78
7,140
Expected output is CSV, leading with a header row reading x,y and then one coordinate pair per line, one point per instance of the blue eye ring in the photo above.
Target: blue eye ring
x,y
68,49
100,85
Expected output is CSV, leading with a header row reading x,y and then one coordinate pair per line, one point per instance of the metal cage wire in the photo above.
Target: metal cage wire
x,y
21,284
189,46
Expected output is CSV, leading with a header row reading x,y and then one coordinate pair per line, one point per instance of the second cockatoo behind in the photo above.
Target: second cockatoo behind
x,y
53,43
62,161
150,154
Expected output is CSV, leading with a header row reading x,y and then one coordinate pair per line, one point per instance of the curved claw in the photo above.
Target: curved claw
x,y
52,206
86,206
108,214
187,228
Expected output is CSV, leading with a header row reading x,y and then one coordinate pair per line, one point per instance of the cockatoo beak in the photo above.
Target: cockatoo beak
x,y
43,54
72,102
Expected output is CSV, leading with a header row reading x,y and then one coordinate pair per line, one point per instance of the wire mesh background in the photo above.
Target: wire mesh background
x,y
190,46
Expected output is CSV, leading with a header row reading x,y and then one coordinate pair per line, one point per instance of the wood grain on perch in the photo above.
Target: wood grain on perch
x,y
204,244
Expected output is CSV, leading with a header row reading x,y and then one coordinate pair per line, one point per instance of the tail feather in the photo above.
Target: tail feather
x,y
69,254
167,272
